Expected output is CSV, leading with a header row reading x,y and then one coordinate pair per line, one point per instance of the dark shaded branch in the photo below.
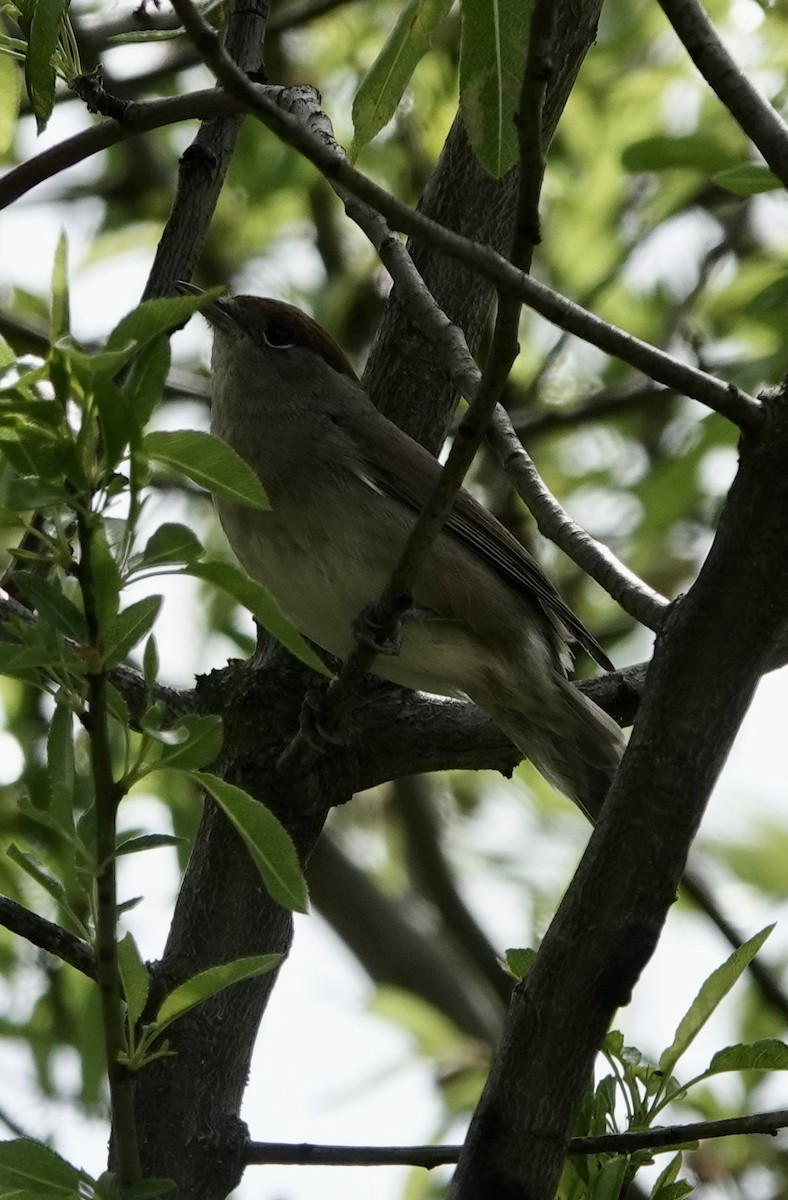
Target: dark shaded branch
x,y
414,800
708,660
203,165
762,123
409,957
47,936
727,399
664,1138
139,118
607,402
724,398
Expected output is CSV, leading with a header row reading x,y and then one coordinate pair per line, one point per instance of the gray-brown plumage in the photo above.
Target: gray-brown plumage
x,y
344,485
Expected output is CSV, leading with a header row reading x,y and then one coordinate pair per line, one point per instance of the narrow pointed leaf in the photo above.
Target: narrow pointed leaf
x,y
200,745
382,87
208,983
153,317
261,605
712,991
42,43
52,604
209,462
134,977
492,60
768,1054
61,319
130,627
266,840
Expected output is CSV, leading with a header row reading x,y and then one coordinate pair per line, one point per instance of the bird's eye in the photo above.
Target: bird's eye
x,y
279,336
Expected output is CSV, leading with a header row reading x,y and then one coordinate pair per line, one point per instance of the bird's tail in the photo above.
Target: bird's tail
x,y
568,738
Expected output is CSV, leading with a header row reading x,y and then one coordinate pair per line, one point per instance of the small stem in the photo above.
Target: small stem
x,y
96,722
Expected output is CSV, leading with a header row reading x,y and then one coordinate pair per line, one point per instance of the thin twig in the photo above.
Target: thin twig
x,y
95,719
607,402
727,399
635,597
386,613
762,123
309,1154
47,936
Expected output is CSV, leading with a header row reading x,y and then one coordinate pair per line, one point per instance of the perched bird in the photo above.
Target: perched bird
x,y
345,485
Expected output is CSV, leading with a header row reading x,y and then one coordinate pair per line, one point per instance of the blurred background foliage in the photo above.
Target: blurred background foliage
x,y
637,227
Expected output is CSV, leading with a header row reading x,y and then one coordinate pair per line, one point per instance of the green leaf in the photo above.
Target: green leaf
x,y
60,754
10,95
768,1054
143,386
208,461
104,580
130,627
53,887
381,89
113,417
41,46
150,661
28,492
60,324
208,983
260,604
607,1182
134,977
748,179
712,991
518,963
30,1167
492,60
267,841
52,604
148,1189
696,151
153,317
171,543
201,742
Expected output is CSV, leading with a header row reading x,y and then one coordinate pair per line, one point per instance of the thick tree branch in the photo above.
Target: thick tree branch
x,y
708,660
203,165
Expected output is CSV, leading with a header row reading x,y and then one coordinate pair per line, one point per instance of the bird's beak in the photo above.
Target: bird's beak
x,y
215,312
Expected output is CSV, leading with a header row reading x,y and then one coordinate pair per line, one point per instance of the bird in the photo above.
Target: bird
x,y
345,486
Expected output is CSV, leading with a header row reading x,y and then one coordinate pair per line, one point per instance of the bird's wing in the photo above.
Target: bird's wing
x,y
411,480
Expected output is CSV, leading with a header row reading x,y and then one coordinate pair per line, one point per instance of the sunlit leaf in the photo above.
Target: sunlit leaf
x,y
382,87
712,991
208,983
42,43
492,60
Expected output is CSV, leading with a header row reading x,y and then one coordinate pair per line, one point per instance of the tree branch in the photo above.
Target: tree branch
x,y
664,1138
635,597
762,124
47,936
708,660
